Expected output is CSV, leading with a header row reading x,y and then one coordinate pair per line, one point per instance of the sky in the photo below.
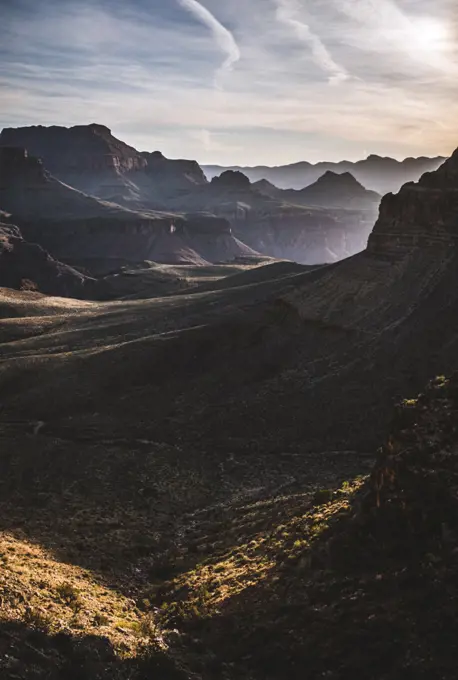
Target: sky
x,y
238,81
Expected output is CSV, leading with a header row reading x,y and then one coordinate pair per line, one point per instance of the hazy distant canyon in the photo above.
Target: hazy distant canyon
x,y
96,204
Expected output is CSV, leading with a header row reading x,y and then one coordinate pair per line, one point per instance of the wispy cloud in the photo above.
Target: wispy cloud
x,y
287,12
224,38
147,70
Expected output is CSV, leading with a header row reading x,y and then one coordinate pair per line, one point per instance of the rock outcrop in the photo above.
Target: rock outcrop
x,y
231,182
172,177
27,266
421,214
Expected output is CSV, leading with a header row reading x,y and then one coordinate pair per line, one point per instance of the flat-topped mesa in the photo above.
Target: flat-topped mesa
x,y
76,149
90,159
422,214
17,167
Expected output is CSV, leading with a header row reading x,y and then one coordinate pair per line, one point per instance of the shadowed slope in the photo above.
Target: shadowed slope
x,y
358,580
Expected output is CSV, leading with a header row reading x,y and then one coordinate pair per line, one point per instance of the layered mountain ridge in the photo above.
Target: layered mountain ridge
x,y
317,225
377,173
80,228
91,160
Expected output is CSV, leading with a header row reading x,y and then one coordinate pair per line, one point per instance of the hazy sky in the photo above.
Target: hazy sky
x,y
238,81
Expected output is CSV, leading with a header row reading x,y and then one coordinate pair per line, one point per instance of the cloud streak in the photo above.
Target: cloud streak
x,y
147,70
223,37
287,11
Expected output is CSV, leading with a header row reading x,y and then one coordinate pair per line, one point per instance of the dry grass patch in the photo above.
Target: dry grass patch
x,y
42,593
209,588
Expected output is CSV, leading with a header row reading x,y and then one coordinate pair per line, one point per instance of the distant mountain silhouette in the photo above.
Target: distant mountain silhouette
x,y
376,173
331,190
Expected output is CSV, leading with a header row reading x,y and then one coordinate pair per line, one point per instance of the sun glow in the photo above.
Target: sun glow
x,y
429,34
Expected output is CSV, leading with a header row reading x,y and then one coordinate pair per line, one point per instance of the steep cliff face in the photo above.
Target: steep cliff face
x,y
421,214
29,191
311,236
172,177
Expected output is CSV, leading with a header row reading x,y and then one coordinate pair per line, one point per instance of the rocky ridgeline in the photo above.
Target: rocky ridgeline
x,y
421,214
338,216
329,224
